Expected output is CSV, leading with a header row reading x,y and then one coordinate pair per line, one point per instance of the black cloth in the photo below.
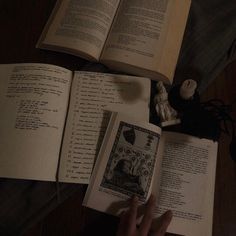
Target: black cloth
x,y
209,42
24,202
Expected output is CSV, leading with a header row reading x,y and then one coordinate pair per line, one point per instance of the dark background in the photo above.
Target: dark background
x,y
21,24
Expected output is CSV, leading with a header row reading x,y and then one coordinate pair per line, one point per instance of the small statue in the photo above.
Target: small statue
x,y
165,112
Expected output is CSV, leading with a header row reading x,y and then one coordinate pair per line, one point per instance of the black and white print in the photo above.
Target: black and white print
x,y
131,162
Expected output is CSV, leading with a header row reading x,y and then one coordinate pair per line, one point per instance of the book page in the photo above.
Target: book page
x,y
138,32
187,183
92,94
144,34
79,27
33,104
125,165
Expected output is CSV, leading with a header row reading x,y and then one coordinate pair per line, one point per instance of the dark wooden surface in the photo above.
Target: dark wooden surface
x,y
21,24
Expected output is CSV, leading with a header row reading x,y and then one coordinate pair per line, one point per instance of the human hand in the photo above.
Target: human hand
x,y
128,221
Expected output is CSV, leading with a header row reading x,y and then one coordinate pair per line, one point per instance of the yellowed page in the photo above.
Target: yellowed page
x,y
146,37
173,41
79,27
92,94
33,104
187,183
112,183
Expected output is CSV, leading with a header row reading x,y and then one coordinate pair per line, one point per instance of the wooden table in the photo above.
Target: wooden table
x,y
22,22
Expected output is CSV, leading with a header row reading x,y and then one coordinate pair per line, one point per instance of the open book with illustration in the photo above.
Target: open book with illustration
x,y
137,37
137,158
53,119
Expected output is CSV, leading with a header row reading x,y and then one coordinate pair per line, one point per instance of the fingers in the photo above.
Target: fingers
x,y
128,220
148,216
163,224
132,212
122,225
127,224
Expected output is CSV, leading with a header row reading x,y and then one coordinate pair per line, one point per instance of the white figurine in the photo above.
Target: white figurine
x,y
166,113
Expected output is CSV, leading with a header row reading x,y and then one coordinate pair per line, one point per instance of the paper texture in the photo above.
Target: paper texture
x,y
33,103
92,94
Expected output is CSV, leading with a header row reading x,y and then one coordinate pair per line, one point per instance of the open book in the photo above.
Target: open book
x,y
137,158
53,119
138,37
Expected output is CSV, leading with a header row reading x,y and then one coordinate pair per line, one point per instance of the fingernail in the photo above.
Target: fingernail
x,y
122,213
135,198
152,198
168,215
